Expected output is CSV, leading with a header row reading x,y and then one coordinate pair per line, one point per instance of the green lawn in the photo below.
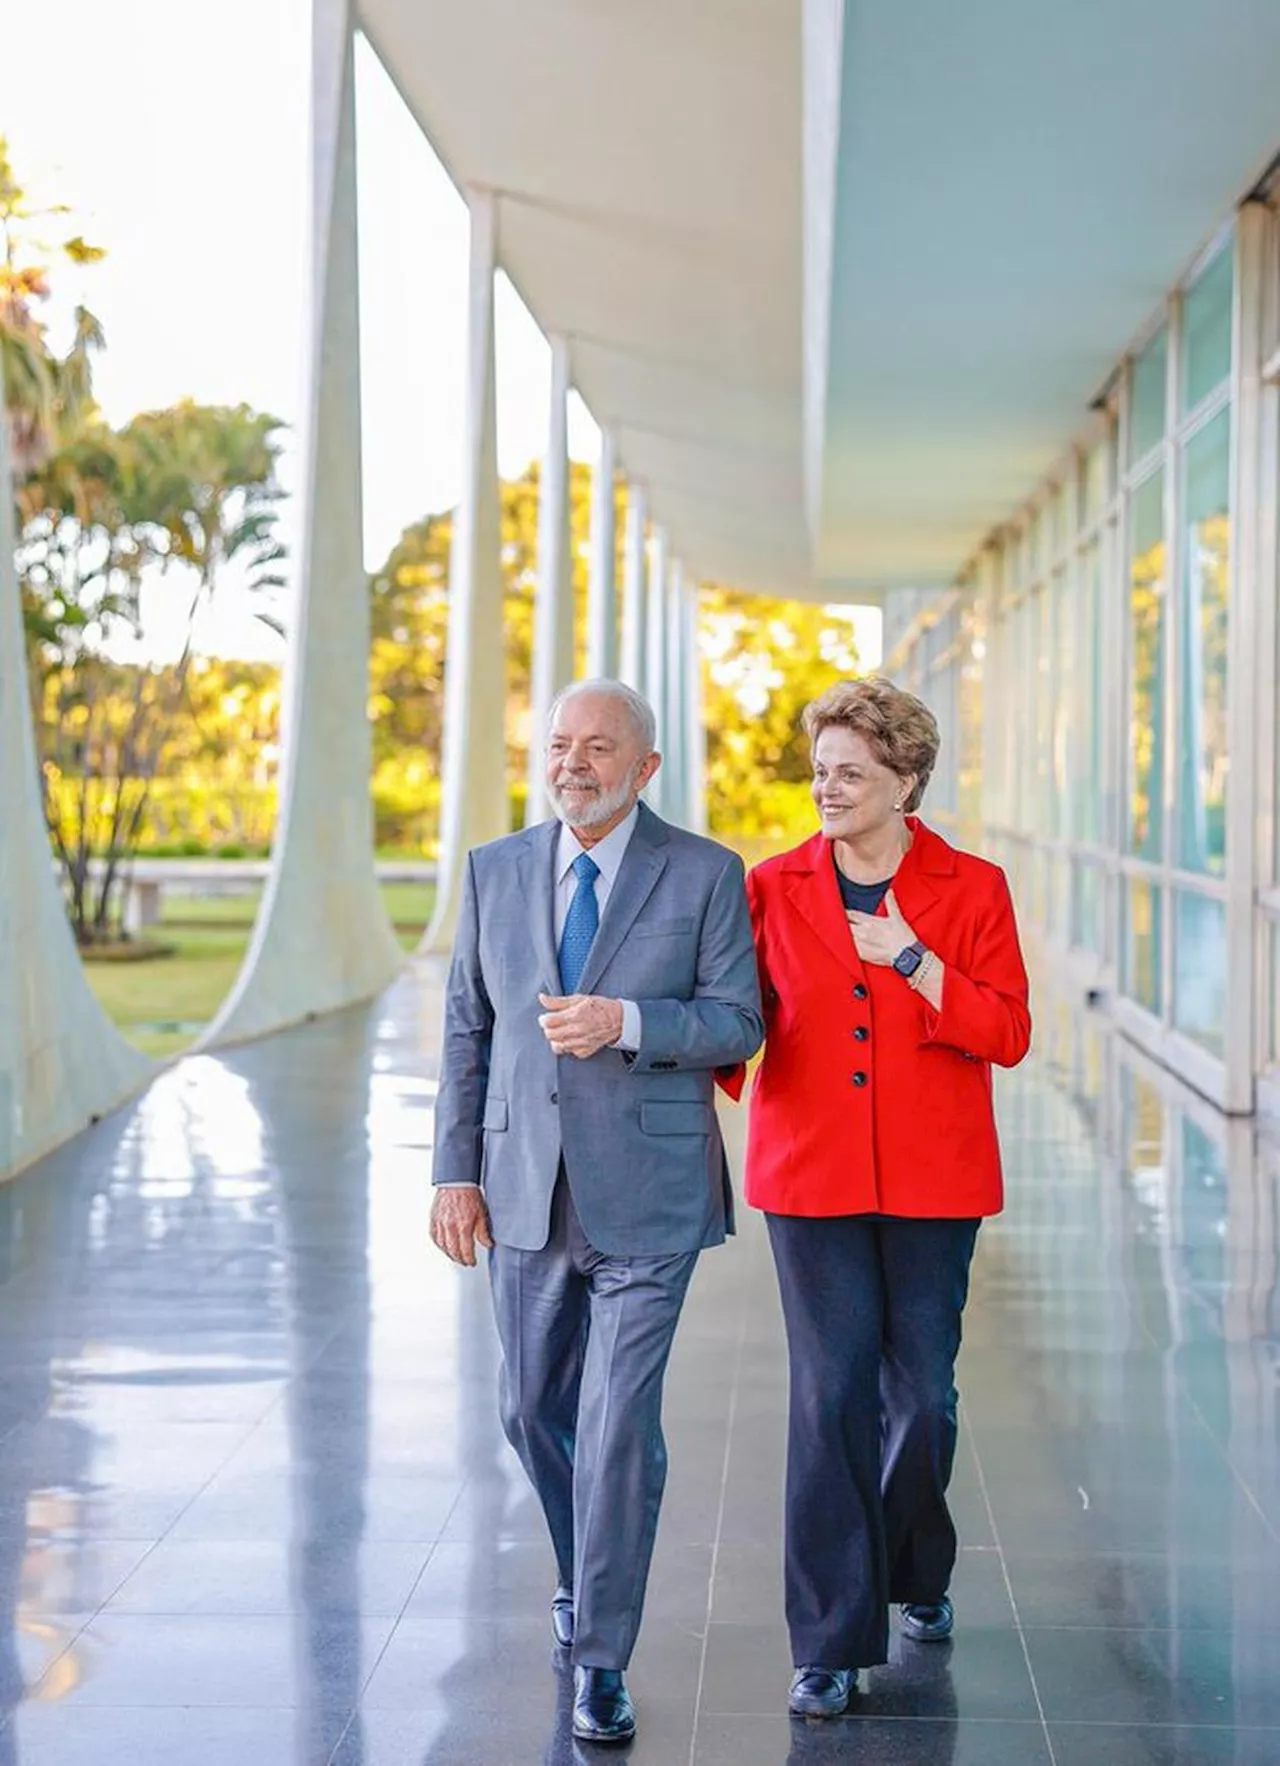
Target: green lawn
x,y
162,1005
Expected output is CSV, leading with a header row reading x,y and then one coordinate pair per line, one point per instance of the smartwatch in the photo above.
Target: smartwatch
x,y
908,958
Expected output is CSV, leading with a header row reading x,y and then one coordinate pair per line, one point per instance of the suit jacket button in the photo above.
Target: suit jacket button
x,y
859,1078
861,1033
555,1097
860,992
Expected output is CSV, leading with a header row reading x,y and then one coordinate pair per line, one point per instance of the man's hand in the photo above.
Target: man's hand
x,y
878,938
460,1222
581,1024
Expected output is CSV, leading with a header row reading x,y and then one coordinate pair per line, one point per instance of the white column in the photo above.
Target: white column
x,y
61,1063
673,714
602,592
695,735
474,790
322,938
634,589
553,609
655,662
1250,634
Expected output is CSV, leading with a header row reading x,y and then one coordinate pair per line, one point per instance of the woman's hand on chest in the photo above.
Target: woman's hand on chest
x,y
879,938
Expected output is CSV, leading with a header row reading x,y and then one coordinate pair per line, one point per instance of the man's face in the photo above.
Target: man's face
x,y
596,765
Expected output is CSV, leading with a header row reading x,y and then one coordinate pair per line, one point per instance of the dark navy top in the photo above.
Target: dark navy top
x,y
864,897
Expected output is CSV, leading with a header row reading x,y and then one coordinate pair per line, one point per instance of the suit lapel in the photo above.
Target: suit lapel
x,y
534,867
913,885
815,895
643,863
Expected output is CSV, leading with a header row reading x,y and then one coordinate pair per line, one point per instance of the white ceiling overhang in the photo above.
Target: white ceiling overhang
x,y
1017,187
647,161
842,278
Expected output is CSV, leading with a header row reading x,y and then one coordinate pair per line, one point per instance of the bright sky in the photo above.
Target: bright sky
x,y
182,148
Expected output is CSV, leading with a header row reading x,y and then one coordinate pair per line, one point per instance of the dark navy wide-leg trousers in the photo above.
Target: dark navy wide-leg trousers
x,y
872,1307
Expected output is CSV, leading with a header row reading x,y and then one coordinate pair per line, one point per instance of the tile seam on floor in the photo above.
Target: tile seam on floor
x,y
151,1544
1165,1723
1237,1475
739,1354
1008,1584
395,1624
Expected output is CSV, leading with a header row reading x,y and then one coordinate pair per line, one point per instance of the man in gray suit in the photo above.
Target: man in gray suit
x,y
603,968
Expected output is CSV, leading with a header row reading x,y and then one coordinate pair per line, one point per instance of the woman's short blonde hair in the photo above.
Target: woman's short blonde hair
x,y
899,729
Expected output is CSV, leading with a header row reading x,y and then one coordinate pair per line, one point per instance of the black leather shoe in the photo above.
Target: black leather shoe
x,y
562,1617
822,1692
931,1622
602,1708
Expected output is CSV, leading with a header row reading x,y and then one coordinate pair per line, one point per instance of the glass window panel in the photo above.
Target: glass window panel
x,y
1274,995
1206,331
1042,692
942,787
1056,522
1098,474
969,715
1086,919
1202,643
1147,395
1199,968
1062,665
1038,885
1093,487
1142,944
1026,760
1146,668
1062,898
1033,547
1087,697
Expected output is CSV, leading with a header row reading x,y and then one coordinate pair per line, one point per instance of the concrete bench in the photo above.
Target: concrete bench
x,y
148,879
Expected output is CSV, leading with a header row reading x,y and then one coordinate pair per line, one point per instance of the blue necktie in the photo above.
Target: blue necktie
x,y
580,923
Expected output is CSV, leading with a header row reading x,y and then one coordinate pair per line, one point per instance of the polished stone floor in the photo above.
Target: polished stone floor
x,y
255,1506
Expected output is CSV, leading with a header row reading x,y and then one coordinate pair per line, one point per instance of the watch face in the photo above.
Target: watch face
x,y
908,961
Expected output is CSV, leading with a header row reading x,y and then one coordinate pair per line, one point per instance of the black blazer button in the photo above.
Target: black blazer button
x,y
859,1079
555,1097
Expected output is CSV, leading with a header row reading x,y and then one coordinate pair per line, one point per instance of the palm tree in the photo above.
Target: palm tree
x,y
45,396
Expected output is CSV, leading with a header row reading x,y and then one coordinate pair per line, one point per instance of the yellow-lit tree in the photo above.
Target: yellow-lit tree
x,y
763,660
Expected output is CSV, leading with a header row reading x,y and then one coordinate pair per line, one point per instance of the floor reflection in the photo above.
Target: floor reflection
x,y
255,1501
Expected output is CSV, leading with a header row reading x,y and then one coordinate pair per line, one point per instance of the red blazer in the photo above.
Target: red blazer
x,y
867,1100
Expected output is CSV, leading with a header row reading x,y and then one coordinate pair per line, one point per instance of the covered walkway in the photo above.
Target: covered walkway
x,y
255,1504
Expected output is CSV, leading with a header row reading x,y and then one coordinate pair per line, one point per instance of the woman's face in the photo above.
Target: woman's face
x,y
855,793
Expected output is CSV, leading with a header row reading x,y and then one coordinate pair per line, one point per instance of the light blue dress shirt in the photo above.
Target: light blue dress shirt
x,y
608,855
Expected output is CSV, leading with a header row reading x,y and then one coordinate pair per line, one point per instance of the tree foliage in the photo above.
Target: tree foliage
x,y
45,394
409,611
174,498
762,661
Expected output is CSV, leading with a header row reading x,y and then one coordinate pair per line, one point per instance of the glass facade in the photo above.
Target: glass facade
x,y
1108,660
1147,397
1146,653
1202,649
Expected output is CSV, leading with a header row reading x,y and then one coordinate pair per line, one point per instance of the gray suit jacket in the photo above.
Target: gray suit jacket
x,y
638,1133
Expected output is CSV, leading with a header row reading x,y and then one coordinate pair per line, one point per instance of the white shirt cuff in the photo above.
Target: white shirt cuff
x,y
629,1041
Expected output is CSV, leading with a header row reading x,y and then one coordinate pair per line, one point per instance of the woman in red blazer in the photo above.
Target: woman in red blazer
x,y
892,981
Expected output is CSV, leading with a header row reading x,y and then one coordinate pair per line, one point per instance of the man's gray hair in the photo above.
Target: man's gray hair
x,y
638,707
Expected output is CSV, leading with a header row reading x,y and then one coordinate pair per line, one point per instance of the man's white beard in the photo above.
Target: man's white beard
x,y
589,812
